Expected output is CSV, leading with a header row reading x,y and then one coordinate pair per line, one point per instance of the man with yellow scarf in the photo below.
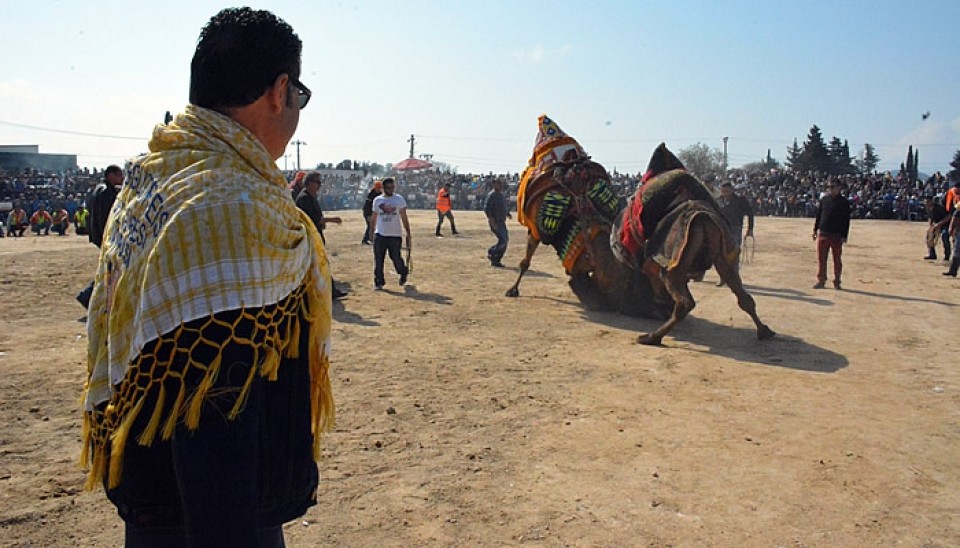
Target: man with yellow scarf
x,y
209,323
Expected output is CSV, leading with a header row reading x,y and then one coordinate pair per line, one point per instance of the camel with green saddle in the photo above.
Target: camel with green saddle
x,y
636,258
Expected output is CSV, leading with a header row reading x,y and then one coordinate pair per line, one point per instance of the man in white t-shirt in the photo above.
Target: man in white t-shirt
x,y
389,210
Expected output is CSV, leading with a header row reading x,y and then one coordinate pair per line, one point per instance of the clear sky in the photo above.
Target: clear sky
x,y
470,78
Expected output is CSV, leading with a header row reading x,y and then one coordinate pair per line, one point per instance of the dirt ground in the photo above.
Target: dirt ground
x,y
468,418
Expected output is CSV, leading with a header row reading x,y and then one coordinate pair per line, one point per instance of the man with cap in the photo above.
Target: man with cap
x,y
734,207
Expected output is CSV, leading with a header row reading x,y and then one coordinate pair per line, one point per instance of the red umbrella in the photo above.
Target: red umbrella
x,y
411,164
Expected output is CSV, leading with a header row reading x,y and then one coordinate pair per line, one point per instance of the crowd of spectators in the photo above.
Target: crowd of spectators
x,y
31,188
780,193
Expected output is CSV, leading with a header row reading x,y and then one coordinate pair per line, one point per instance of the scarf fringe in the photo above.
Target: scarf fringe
x,y
285,342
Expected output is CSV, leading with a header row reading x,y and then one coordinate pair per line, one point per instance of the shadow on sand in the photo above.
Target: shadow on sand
x,y
737,343
342,315
795,295
410,291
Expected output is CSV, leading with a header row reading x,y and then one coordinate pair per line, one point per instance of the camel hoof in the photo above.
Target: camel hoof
x,y
765,333
648,340
513,292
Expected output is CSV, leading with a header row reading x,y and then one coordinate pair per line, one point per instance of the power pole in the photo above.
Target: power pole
x,y
285,156
725,164
411,140
297,143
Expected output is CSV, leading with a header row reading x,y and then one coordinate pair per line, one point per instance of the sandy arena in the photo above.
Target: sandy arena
x,y
466,418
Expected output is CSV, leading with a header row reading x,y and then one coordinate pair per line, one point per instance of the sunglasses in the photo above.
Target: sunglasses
x,y
303,92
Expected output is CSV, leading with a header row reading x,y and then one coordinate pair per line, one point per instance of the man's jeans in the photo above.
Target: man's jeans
x,y
497,250
381,246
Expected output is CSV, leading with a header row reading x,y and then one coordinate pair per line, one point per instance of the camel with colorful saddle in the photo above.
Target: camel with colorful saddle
x,y
566,201
637,257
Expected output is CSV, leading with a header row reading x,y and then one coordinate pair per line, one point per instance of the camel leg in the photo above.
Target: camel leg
x,y
532,244
586,290
731,277
676,281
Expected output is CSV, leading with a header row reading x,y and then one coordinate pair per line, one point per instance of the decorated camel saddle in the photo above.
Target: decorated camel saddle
x,y
564,197
647,228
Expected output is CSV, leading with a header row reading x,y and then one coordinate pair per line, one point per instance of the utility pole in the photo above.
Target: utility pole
x,y
285,156
725,164
411,140
297,143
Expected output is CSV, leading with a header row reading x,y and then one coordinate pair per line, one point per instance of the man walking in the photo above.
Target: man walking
x,y
445,209
734,208
497,214
830,232
389,211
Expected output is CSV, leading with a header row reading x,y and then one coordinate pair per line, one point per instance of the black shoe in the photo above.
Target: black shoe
x,y
455,233
721,283
930,258
948,273
366,242
339,294
84,296
819,285
496,264
403,279
836,285
439,235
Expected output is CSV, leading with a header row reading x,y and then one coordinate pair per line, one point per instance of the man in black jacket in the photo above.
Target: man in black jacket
x,y
209,436
497,214
375,191
309,202
100,204
830,232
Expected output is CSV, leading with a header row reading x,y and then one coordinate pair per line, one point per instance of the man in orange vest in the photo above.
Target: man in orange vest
x,y
61,221
17,222
444,210
40,221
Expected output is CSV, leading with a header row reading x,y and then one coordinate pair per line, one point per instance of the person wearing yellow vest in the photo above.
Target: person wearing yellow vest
x,y
80,220
444,210
17,222
61,221
40,221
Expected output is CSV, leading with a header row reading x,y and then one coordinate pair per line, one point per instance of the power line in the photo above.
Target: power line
x,y
71,132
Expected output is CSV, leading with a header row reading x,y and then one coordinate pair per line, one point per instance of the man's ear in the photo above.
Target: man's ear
x,y
277,94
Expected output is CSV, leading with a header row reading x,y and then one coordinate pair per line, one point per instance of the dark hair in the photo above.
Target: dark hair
x,y
112,169
240,53
389,181
312,176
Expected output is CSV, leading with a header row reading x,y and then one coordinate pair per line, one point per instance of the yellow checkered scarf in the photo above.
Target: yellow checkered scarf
x,y
204,224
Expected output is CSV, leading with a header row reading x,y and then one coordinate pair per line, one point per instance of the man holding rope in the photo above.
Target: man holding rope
x,y
389,211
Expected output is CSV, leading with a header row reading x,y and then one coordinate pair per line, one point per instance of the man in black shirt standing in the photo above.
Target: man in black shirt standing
x,y
100,203
497,215
830,232
309,202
